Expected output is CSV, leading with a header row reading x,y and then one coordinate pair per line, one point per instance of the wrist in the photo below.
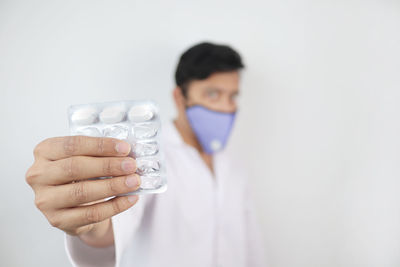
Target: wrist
x,y
100,236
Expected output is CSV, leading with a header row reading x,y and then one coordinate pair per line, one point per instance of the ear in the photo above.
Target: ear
x,y
179,98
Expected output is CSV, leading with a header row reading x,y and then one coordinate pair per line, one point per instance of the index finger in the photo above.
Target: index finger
x,y
63,147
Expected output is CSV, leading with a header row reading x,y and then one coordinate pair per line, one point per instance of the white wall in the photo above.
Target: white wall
x,y
319,124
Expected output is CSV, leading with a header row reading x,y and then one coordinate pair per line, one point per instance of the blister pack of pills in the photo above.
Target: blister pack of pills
x,y
136,122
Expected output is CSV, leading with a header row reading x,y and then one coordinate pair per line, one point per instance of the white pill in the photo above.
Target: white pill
x,y
140,113
89,131
112,114
84,116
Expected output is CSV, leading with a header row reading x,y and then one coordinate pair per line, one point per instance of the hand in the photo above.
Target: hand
x,y
59,177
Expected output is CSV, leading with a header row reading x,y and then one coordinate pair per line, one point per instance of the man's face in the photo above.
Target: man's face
x,y
218,92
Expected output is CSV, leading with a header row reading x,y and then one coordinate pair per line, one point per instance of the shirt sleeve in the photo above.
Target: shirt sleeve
x,y
124,226
82,255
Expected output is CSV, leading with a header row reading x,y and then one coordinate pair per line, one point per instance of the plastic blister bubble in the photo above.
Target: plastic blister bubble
x,y
145,130
150,181
136,122
148,165
144,148
116,131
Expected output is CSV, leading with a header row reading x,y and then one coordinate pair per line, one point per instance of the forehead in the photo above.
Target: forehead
x,y
223,81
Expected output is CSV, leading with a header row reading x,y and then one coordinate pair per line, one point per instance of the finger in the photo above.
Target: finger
x,y
82,167
85,215
63,147
72,195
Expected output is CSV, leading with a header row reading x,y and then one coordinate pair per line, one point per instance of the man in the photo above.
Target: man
x,y
205,218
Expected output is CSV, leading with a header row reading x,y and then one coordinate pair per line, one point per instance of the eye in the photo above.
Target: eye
x,y
213,94
234,97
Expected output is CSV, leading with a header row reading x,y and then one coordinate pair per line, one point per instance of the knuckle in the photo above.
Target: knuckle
x,y
112,186
72,144
101,145
55,221
107,167
40,202
37,150
70,167
79,192
32,174
93,215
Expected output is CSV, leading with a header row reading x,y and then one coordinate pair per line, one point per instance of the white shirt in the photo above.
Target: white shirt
x,y
201,220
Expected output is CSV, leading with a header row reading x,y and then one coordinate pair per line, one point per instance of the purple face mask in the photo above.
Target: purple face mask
x,y
212,128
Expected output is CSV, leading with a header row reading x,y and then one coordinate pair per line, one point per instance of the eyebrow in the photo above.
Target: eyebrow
x,y
219,89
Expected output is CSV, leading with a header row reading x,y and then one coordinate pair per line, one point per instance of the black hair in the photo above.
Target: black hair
x,y
204,59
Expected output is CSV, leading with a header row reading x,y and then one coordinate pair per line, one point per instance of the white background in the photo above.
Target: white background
x,y
318,128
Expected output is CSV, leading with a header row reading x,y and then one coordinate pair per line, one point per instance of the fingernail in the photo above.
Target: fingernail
x,y
132,181
128,165
122,148
132,199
